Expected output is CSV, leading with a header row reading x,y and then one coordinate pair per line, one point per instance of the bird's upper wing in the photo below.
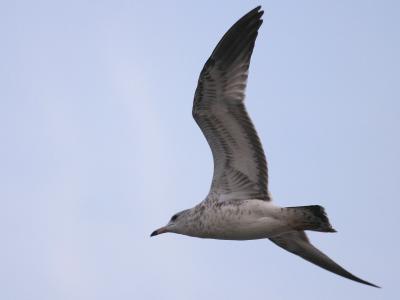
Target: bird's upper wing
x,y
240,168
298,243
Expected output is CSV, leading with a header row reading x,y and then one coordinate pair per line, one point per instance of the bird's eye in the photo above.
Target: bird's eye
x,y
174,217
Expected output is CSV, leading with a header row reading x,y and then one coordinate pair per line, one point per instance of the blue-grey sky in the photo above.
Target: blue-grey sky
x,y
98,147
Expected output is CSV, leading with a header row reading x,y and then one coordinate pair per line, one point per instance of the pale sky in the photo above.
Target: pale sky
x,y
99,147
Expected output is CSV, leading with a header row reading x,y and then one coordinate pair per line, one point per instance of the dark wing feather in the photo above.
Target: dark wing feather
x,y
240,168
298,243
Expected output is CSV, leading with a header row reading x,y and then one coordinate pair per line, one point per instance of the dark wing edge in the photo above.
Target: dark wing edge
x,y
299,244
240,167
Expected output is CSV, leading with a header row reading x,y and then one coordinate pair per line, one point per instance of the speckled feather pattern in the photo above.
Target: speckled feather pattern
x,y
239,205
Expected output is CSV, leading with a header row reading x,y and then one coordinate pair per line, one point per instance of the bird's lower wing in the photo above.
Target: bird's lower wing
x,y
298,243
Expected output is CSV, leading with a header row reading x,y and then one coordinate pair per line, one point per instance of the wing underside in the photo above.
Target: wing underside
x,y
299,244
240,168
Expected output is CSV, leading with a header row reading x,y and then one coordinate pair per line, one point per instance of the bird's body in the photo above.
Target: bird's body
x,y
239,206
249,219
236,220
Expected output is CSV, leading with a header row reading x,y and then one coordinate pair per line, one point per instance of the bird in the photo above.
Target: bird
x,y
239,205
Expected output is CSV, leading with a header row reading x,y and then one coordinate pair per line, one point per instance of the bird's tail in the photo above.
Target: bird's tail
x,y
312,217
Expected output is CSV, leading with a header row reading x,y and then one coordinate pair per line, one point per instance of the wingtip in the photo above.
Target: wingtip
x,y
359,280
260,12
373,285
256,11
257,8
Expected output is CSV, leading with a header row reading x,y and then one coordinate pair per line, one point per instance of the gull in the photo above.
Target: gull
x,y
238,205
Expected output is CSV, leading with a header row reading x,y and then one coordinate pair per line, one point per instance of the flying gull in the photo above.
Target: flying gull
x,y
239,206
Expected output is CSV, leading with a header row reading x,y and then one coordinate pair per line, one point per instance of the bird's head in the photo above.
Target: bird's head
x,y
176,224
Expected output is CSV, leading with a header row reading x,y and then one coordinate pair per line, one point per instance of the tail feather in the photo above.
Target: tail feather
x,y
312,217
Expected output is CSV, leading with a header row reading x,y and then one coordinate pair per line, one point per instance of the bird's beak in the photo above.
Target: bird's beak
x,y
159,231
